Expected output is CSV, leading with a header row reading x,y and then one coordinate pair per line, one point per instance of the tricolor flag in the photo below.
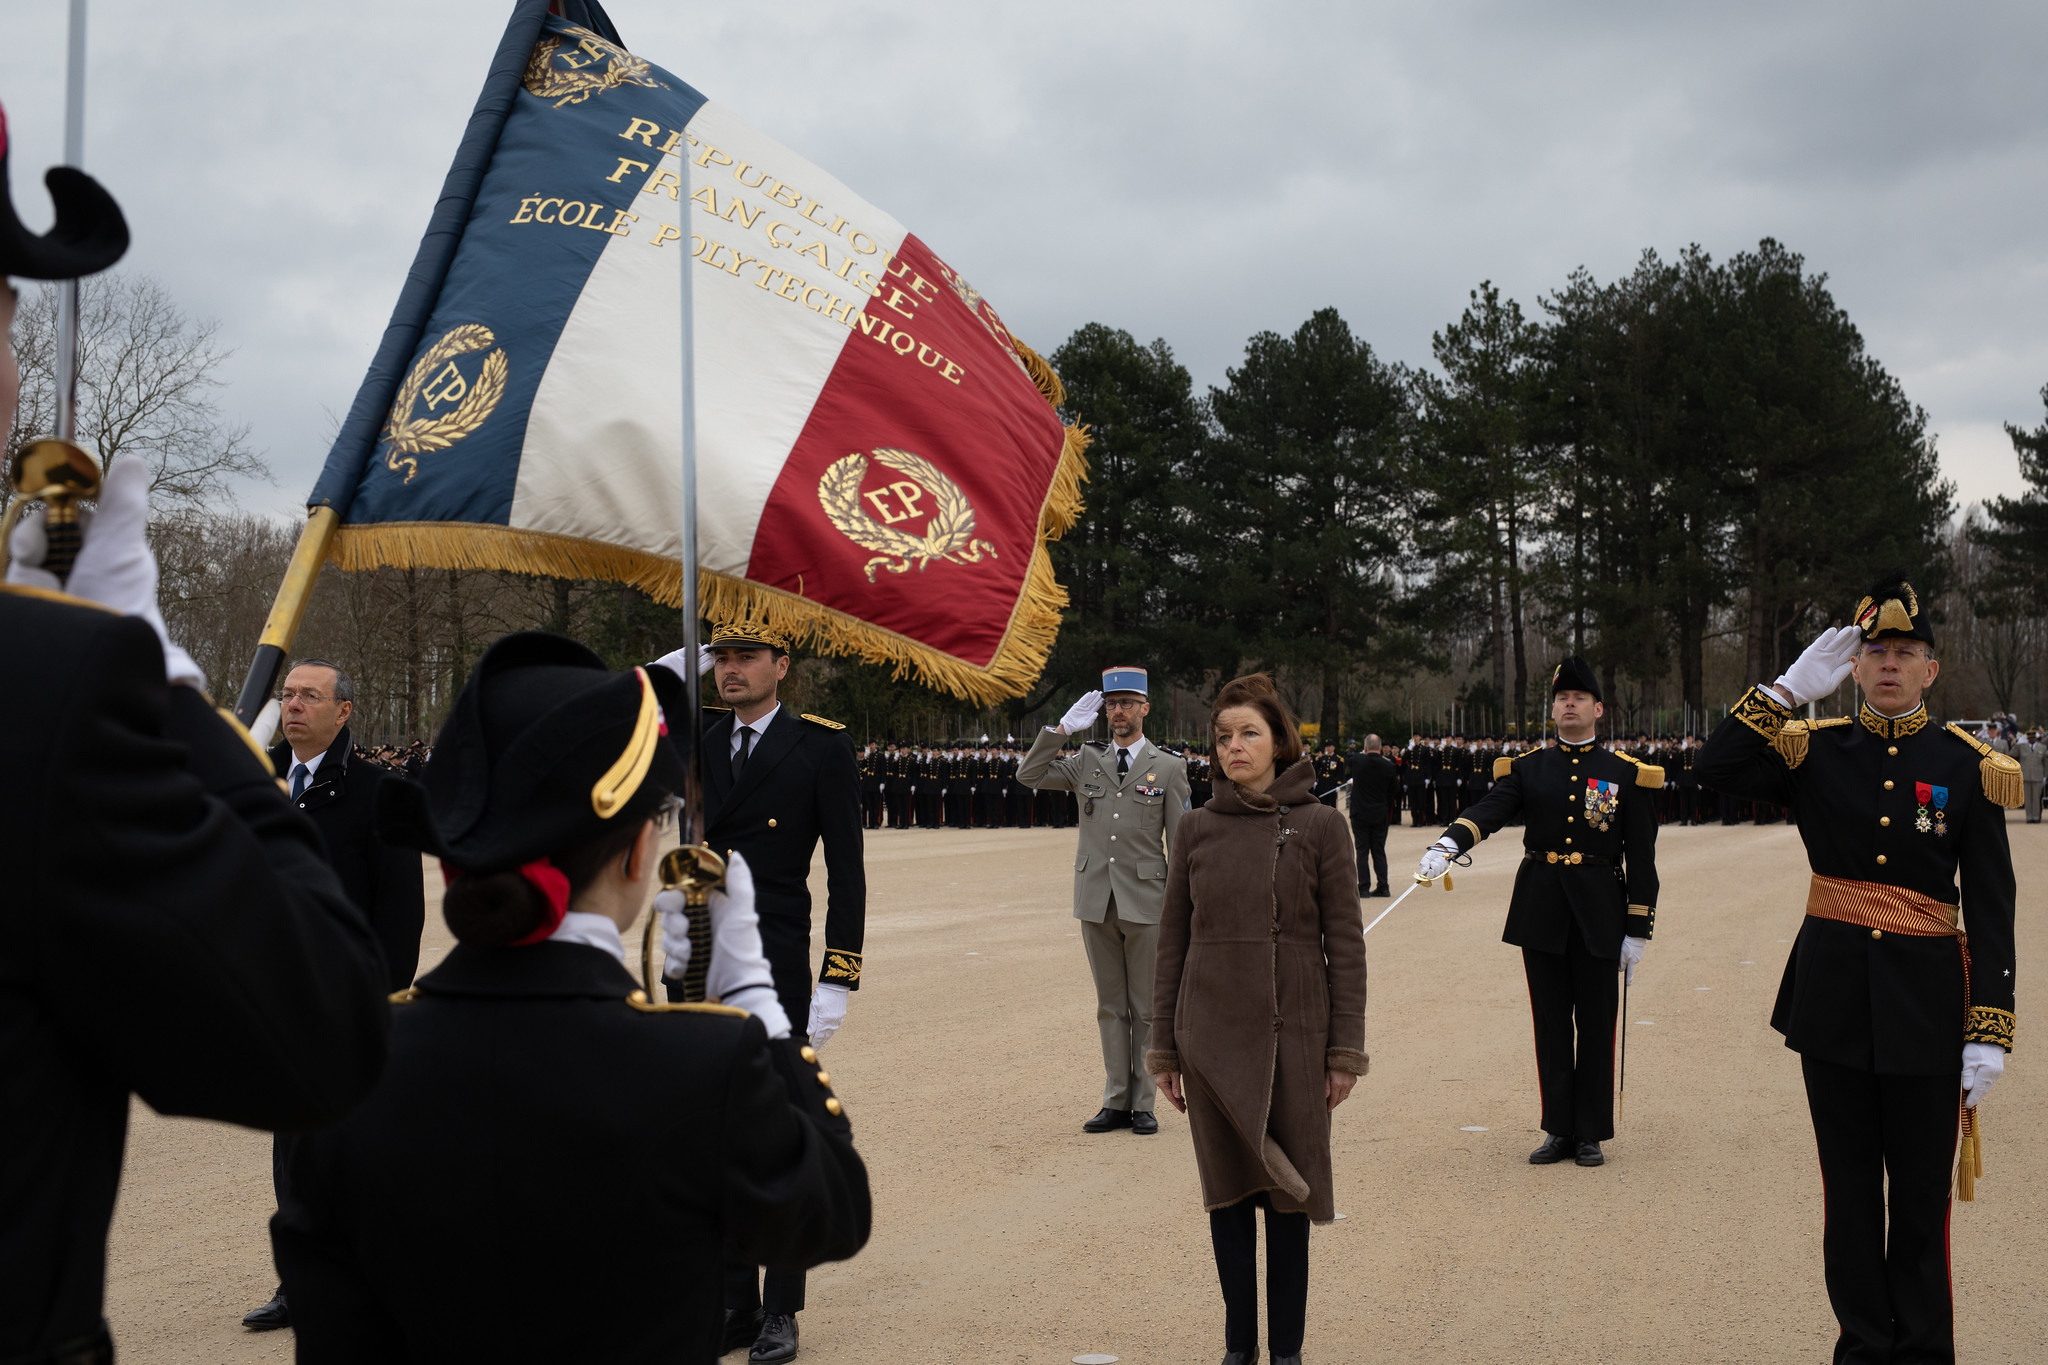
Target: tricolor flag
x,y
879,460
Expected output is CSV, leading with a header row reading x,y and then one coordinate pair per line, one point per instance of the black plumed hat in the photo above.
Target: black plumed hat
x,y
1575,675
89,235
1892,609
545,750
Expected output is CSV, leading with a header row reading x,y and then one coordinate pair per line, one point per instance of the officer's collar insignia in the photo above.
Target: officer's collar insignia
x,y
1886,727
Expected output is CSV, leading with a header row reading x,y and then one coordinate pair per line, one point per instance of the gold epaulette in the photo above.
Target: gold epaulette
x,y
2000,773
1502,766
820,720
638,1000
1647,774
1790,742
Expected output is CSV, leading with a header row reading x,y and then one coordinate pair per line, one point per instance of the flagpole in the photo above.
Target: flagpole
x,y
67,292
693,690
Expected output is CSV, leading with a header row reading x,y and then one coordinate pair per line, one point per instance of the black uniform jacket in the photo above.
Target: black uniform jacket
x,y
799,786
548,1174
1373,778
1583,801
1893,1005
382,879
168,926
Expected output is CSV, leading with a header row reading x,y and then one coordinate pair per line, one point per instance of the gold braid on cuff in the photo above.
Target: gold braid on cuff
x,y
1987,1025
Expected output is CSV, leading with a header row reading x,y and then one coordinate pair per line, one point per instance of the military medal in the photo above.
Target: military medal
x,y
1940,811
1601,798
1924,794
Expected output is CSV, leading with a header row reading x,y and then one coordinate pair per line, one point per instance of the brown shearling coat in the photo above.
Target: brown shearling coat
x,y
1261,988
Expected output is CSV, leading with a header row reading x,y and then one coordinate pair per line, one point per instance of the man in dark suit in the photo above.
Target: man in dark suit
x,y
337,787
1373,781
173,930
775,786
1584,903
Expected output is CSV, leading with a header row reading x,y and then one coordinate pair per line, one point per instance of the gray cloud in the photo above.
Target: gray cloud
x,y
1192,171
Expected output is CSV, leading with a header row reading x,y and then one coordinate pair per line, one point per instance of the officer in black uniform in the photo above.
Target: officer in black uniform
x,y
173,929
871,787
553,1165
1584,904
1329,770
1893,1010
1373,780
775,786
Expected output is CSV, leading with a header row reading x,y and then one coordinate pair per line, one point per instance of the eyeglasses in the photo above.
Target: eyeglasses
x,y
303,695
1124,704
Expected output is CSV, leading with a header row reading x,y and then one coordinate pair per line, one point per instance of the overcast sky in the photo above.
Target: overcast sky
x,y
1192,171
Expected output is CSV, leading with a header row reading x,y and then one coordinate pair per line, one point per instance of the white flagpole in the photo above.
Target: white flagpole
x,y
67,291
693,712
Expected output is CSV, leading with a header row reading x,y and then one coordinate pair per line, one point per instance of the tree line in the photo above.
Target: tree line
x,y
1681,474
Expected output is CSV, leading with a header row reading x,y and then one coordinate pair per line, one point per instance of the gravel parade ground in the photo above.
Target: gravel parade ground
x,y
1003,1233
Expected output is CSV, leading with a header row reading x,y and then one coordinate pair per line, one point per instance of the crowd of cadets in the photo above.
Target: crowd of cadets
x,y
975,786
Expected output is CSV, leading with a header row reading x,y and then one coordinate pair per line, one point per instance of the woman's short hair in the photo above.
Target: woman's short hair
x,y
1256,690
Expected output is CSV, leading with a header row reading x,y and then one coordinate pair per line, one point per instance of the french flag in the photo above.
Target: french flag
x,y
880,462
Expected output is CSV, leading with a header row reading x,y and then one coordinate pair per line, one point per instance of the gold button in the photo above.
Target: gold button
x,y
833,1107
1567,841
1893,751
1575,762
1877,933
1880,860
771,822
1571,819
1884,819
809,1054
1887,784
824,1078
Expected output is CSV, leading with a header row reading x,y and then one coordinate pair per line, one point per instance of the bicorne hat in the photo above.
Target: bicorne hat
x,y
1575,675
1892,609
89,235
545,750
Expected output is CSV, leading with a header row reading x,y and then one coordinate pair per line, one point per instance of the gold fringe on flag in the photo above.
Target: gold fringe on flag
x,y
1026,644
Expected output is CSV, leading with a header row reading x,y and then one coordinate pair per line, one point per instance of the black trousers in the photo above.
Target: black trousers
x,y
1234,1236
1372,841
1573,997
1889,1286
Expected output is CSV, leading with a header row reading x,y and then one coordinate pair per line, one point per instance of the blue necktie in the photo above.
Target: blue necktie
x,y
300,774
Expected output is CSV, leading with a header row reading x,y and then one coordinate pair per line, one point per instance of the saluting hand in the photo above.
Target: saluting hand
x,y
1820,668
1081,715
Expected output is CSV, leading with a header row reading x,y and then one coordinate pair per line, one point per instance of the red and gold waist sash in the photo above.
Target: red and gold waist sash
x,y
1874,905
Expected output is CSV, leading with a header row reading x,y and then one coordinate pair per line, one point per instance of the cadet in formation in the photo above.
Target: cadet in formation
x,y
1898,993
1132,796
1584,904
554,1166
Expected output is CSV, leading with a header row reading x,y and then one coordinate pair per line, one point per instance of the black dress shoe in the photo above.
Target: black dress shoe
x,y
1238,1358
1384,891
1589,1153
1144,1123
777,1341
1107,1119
1553,1150
742,1328
1294,1359
271,1316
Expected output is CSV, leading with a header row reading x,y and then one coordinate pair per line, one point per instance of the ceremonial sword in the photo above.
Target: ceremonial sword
x,y
1420,882
1621,1103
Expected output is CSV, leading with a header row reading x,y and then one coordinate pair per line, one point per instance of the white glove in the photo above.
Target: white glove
x,y
264,731
114,566
674,662
1081,715
739,974
828,1012
1820,669
1631,954
1437,857
1983,1064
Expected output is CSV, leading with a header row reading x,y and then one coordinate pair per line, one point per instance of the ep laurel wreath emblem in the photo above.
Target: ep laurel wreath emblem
x,y
436,377
576,84
948,534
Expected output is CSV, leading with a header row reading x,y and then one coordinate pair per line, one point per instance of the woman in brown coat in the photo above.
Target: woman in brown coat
x,y
1258,1009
